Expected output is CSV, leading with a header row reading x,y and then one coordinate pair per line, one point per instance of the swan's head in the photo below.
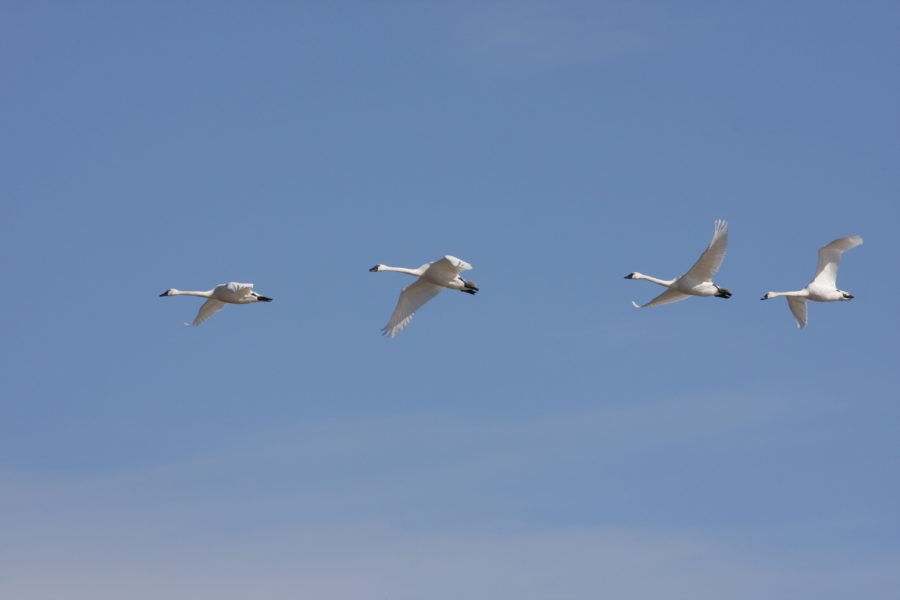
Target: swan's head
x,y
722,292
767,296
169,292
632,276
846,295
376,268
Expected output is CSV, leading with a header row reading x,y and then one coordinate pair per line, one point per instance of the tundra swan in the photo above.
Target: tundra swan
x,y
433,277
697,281
218,297
823,287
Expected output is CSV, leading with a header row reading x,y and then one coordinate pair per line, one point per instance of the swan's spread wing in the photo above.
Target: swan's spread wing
x,y
830,258
447,268
798,308
209,308
238,290
711,259
411,299
667,297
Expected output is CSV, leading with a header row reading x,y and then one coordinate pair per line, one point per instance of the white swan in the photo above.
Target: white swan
x,y
697,281
823,287
218,297
433,277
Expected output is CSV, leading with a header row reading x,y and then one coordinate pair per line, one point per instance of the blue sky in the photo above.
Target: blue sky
x,y
541,440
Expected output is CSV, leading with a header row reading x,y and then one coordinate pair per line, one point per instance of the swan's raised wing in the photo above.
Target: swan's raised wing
x,y
830,259
411,299
711,259
209,308
667,297
798,309
234,291
447,268
239,288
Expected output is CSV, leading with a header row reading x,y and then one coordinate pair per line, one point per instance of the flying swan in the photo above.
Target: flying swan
x,y
823,287
218,297
433,277
697,281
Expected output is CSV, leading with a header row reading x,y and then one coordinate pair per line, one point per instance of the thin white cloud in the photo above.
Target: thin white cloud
x,y
416,507
378,562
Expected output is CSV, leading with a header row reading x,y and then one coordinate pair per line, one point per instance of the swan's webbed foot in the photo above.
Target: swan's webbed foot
x,y
723,292
469,287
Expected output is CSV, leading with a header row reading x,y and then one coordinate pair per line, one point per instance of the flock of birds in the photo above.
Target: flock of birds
x,y
446,273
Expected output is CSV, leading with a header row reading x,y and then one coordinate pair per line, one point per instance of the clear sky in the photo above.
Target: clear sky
x,y
541,440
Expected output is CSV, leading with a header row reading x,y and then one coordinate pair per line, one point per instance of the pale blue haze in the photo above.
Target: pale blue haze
x,y
541,440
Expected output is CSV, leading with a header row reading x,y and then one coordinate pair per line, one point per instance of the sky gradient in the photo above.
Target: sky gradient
x,y
540,440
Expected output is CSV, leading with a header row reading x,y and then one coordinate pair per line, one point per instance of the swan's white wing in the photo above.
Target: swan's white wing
x,y
830,258
667,297
239,289
711,259
447,268
411,299
798,309
209,308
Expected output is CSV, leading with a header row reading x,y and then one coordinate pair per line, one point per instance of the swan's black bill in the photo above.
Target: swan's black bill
x,y
263,299
374,269
629,276
165,293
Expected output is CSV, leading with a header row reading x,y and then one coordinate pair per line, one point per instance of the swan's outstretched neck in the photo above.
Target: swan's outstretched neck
x,y
174,292
797,294
661,282
414,272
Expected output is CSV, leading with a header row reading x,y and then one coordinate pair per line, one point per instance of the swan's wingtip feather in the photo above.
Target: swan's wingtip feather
x,y
635,304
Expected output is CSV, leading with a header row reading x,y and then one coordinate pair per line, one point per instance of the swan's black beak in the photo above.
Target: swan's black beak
x,y
374,269
766,297
165,293
629,276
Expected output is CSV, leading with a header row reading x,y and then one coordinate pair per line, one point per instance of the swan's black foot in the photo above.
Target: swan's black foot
x,y
723,293
263,299
469,287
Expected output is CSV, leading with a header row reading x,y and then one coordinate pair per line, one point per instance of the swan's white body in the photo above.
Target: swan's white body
x,y
433,277
218,297
698,280
823,287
